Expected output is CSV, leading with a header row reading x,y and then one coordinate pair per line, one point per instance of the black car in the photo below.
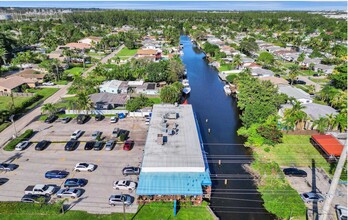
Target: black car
x,y
75,182
316,75
35,198
98,145
131,171
71,145
277,75
89,145
3,181
99,117
81,119
51,118
294,172
42,145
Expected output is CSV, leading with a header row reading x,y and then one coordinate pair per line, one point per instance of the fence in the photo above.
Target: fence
x,y
17,94
108,112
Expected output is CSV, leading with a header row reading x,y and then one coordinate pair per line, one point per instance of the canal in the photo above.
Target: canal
x,y
238,199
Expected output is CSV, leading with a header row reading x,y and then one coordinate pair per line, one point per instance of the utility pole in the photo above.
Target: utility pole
x,y
334,183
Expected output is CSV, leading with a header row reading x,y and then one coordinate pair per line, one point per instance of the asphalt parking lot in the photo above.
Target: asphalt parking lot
x,y
33,164
319,184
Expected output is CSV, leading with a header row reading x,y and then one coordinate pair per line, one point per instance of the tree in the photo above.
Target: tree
x,y
266,58
341,121
237,61
83,102
339,80
248,45
3,52
301,57
295,115
49,108
138,103
321,124
293,72
170,94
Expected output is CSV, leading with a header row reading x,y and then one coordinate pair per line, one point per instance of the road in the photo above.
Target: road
x,y
36,112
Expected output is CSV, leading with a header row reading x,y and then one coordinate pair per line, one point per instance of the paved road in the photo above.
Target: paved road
x,y
21,123
310,82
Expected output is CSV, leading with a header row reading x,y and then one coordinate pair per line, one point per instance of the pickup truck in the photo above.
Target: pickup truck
x,y
40,189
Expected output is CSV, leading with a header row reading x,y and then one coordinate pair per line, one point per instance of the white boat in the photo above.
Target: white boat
x,y
185,83
227,90
185,73
181,53
186,90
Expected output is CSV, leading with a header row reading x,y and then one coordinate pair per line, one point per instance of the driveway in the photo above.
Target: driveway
x,y
310,82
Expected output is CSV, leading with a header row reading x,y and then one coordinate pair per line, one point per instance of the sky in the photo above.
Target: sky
x,y
185,5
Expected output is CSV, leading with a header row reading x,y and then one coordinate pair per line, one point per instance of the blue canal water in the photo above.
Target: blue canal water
x,y
238,199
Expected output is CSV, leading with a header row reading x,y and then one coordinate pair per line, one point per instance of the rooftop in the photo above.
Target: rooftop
x,y
329,144
109,98
294,92
180,152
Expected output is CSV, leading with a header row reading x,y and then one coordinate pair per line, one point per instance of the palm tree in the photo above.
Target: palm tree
x,y
3,52
339,100
293,72
237,61
296,115
341,121
83,102
331,121
49,108
321,124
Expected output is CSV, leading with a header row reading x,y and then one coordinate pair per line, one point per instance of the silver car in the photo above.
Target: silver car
x,y
124,199
69,193
124,185
96,134
22,145
7,167
312,197
109,145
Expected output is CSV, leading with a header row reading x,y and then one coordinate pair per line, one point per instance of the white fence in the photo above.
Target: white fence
x,y
108,112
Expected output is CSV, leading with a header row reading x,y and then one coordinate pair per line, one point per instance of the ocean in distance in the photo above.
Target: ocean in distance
x,y
186,5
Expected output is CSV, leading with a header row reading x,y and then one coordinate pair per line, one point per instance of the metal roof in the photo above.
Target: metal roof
x,y
294,92
180,152
329,144
172,183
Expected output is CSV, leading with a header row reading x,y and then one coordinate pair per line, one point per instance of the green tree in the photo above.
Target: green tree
x,y
170,94
237,61
49,108
266,58
293,72
301,57
138,103
321,124
83,102
3,52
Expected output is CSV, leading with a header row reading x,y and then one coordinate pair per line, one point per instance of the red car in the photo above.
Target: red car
x,y
128,145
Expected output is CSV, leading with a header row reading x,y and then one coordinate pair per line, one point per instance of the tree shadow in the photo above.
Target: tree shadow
x,y
13,158
71,205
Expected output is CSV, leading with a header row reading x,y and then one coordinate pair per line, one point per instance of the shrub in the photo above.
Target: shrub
x,y
123,137
11,146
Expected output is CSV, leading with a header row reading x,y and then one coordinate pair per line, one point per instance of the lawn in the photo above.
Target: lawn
x,y
6,100
149,211
296,150
156,100
125,52
61,82
320,80
225,67
307,73
75,71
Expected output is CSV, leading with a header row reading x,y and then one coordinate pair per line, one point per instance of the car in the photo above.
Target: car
x,y
110,144
42,145
299,82
294,172
123,199
113,119
99,117
75,182
22,145
85,167
69,193
51,119
96,135
341,212
30,198
89,145
116,132
3,181
66,119
312,197
71,145
124,185
81,119
131,171
124,134
98,145
76,134
147,121
128,145
48,84
7,167
277,75
316,75
56,174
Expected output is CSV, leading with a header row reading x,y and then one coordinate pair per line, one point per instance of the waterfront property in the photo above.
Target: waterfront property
x,y
174,167
295,93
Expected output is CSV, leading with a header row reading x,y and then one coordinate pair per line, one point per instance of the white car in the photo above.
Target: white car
x,y
22,145
113,119
69,193
85,167
124,185
48,84
76,134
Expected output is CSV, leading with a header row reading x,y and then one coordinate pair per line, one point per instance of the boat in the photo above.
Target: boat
x,y
181,53
186,90
185,73
185,83
227,90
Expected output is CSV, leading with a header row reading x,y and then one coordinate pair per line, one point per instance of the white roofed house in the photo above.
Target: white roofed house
x,y
260,72
90,40
307,61
140,87
295,93
114,86
326,69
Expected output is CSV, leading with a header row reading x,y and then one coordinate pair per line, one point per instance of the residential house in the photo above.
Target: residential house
x,y
90,40
14,84
251,65
227,50
79,46
147,89
106,101
32,75
114,86
324,68
295,93
149,53
260,72
307,61
275,80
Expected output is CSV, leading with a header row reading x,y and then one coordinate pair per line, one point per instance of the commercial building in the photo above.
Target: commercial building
x,y
174,166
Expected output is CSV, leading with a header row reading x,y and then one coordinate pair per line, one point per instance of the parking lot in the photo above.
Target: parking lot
x,y
33,164
319,184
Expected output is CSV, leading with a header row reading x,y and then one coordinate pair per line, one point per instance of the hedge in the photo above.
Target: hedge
x,y
11,146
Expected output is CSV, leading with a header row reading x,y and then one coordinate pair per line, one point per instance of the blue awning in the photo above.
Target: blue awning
x,y
173,183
